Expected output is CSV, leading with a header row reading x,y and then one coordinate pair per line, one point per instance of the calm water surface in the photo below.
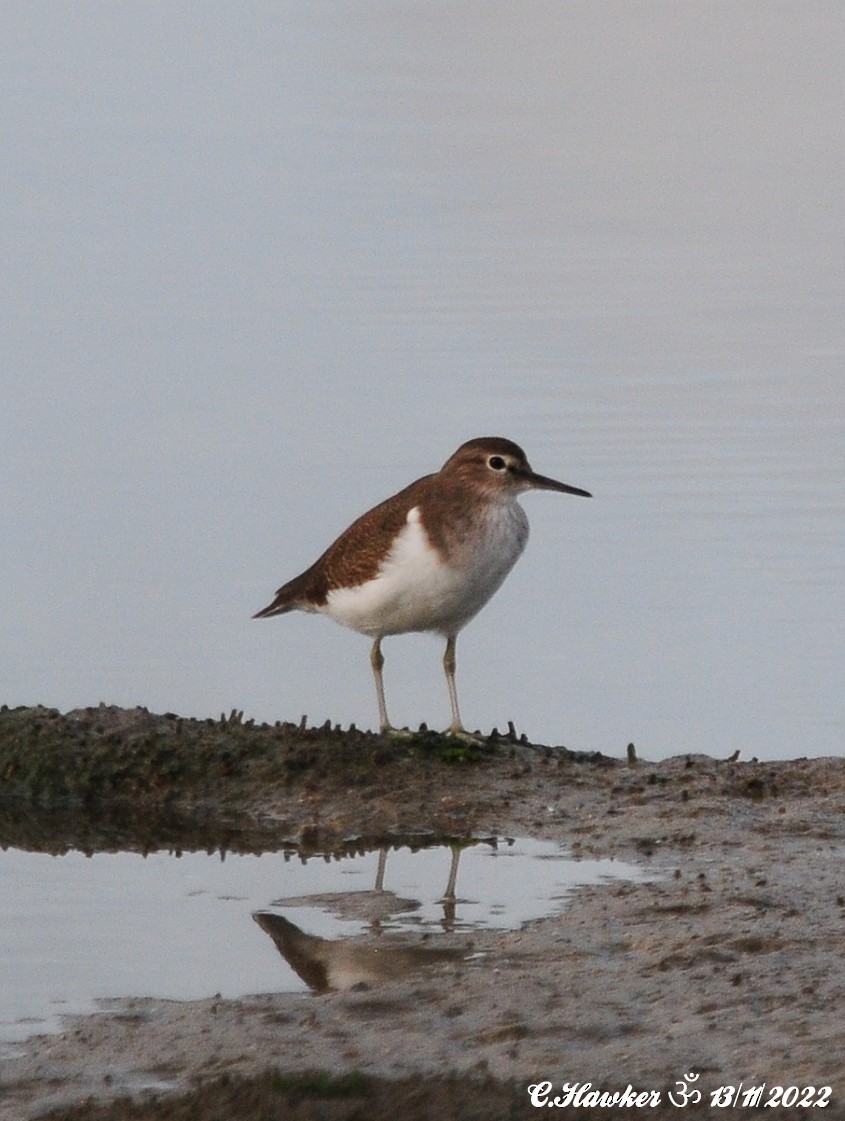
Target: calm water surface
x,y
75,929
266,264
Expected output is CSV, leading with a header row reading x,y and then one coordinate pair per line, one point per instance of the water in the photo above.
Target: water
x,y
76,929
266,264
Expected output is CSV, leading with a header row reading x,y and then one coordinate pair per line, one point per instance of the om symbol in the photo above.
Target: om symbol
x,y
685,1096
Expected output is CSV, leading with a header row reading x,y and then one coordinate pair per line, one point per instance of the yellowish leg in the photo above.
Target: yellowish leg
x,y
377,662
456,728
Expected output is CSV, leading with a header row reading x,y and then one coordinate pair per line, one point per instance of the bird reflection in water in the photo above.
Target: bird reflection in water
x,y
338,965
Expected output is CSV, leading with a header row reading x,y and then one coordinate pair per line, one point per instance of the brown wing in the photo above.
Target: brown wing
x,y
353,558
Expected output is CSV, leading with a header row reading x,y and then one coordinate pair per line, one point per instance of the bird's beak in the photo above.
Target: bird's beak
x,y
540,482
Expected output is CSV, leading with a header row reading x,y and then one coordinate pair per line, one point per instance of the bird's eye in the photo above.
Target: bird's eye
x,y
497,463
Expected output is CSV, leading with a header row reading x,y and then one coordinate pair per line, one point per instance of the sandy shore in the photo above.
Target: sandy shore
x,y
727,963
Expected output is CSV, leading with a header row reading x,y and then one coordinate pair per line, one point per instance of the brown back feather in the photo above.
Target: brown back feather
x,y
354,557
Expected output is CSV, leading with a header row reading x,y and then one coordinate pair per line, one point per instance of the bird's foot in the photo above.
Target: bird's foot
x,y
458,732
396,733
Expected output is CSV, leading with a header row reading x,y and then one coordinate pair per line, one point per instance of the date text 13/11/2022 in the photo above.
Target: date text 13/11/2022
x,y
583,1095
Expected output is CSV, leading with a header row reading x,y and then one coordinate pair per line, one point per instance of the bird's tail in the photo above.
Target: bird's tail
x,y
279,606
293,596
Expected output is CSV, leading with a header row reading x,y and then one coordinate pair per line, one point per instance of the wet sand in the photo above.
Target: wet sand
x,y
727,963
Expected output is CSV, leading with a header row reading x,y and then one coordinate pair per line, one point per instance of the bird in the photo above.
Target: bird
x,y
426,559
338,965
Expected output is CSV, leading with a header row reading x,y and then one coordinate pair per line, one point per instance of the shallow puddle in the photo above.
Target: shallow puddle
x,y
77,929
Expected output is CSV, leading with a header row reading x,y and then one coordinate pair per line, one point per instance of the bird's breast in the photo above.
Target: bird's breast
x,y
422,586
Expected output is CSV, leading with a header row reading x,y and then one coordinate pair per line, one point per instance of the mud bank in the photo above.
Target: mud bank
x,y
728,962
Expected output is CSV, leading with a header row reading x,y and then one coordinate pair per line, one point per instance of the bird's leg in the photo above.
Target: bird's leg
x,y
456,728
377,662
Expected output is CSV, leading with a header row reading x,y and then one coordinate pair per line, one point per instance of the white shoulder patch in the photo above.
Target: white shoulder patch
x,y
413,516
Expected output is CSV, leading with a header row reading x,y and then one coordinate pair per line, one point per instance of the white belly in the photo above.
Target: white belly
x,y
417,590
